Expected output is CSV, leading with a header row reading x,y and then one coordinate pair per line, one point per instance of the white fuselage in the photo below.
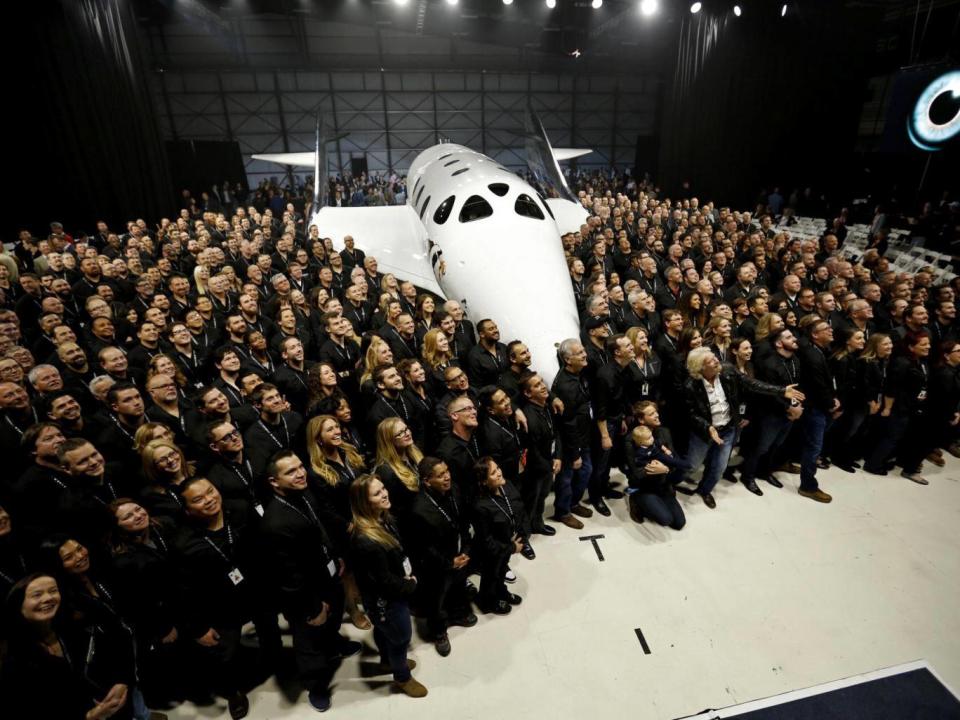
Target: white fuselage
x,y
504,265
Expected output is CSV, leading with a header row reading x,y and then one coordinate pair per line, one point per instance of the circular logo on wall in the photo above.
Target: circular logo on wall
x,y
936,116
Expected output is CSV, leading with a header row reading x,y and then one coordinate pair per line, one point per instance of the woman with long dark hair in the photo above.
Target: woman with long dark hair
x,y
907,432
385,578
57,666
497,518
843,365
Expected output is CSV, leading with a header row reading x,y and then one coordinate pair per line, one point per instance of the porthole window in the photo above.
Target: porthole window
x,y
475,208
526,207
443,210
499,189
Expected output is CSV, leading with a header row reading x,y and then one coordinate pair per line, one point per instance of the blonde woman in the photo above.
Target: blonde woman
x,y
378,353
437,357
397,461
334,464
385,578
165,468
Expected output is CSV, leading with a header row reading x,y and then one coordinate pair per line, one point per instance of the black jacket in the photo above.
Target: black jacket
x,y
497,521
483,367
735,387
500,439
438,530
816,379
576,423
542,440
301,559
379,570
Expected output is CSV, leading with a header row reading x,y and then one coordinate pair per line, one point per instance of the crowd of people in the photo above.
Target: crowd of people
x,y
223,420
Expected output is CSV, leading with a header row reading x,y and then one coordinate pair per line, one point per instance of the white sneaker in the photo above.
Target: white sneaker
x,y
510,577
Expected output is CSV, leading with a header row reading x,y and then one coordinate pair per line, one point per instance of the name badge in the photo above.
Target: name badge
x,y
590,408
407,567
922,396
459,544
553,447
834,384
236,577
259,508
645,389
743,408
332,568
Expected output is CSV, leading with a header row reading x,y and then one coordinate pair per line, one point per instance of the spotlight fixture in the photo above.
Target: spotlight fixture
x,y
508,2
737,10
596,4
696,7
783,10
649,7
452,2
551,4
400,2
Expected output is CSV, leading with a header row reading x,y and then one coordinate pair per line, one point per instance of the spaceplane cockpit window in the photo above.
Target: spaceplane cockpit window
x,y
499,189
475,208
443,210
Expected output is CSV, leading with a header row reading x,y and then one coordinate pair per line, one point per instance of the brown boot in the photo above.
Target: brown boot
x,y
411,688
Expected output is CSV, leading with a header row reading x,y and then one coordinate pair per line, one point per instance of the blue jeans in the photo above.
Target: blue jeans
x,y
392,631
714,458
771,434
814,423
570,485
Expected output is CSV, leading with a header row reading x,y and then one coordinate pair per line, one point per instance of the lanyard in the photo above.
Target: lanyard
x,y
545,414
120,427
508,431
345,464
456,508
220,552
232,392
246,479
286,432
403,405
508,511
791,368
311,519
155,535
23,566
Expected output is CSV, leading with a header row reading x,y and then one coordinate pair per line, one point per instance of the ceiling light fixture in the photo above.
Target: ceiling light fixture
x,y
696,7
649,7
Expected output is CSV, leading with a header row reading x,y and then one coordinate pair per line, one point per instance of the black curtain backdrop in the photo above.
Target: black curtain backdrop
x,y
762,100
198,165
84,144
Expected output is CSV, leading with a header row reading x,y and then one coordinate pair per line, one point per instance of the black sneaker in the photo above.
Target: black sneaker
x,y
527,551
468,620
545,530
601,507
238,705
513,599
501,607
442,644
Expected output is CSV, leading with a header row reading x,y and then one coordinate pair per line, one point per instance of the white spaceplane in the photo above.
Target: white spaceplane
x,y
475,232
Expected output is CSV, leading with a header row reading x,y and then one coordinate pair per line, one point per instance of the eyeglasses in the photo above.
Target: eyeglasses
x,y
167,459
230,436
466,409
400,433
163,386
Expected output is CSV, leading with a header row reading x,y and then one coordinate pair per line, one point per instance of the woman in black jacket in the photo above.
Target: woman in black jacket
x,y
385,578
907,432
147,592
843,365
57,666
498,521
13,564
945,397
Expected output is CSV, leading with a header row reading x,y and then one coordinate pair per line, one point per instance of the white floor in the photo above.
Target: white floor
x,y
761,596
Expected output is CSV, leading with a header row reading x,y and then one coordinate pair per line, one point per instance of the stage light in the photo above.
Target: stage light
x,y
696,7
400,2
452,2
783,10
551,4
649,7
508,2
737,10
596,4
